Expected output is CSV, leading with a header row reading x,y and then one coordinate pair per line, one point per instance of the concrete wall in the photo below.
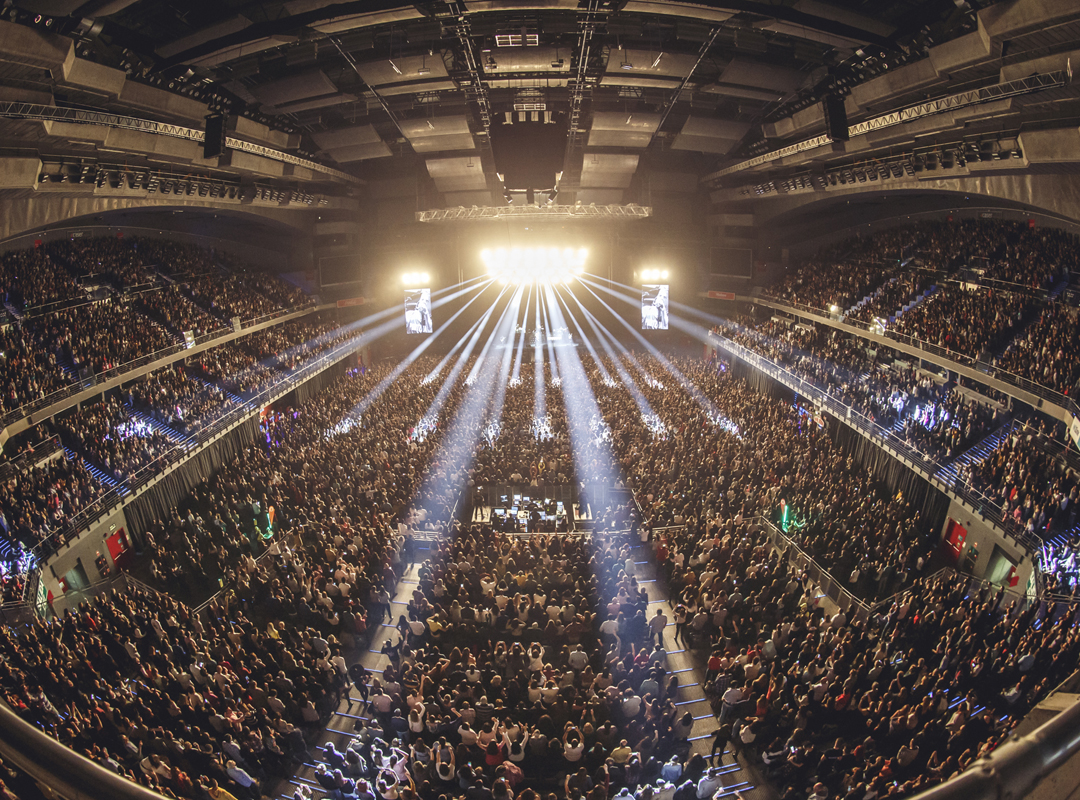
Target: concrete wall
x,y
85,548
987,537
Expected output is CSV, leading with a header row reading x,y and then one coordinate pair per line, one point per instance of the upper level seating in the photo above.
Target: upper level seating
x,y
106,256
111,439
892,296
1025,475
1048,351
29,369
177,312
229,297
31,278
968,321
179,399
100,335
37,501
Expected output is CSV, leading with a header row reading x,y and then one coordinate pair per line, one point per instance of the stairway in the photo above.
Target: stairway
x,y
14,312
104,478
158,425
868,298
973,455
912,303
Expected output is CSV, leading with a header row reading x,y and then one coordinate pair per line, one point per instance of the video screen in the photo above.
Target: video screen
x,y
654,307
418,311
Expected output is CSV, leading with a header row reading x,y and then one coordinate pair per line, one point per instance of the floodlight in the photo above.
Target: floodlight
x,y
540,265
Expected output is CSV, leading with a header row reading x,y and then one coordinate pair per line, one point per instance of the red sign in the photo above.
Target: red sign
x,y
722,295
38,243
352,301
1031,223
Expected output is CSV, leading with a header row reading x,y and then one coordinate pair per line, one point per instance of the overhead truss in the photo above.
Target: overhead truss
x,y
592,211
1033,83
34,111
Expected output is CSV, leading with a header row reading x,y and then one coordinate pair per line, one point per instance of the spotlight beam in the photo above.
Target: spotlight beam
x,y
547,336
382,385
504,368
521,339
707,405
650,417
459,365
593,456
458,447
539,389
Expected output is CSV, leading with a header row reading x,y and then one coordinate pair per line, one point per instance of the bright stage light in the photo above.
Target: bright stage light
x,y
654,274
540,265
416,279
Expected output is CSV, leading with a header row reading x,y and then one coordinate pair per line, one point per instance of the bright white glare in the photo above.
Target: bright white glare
x,y
416,278
611,383
540,265
425,426
654,274
655,425
653,382
344,426
556,382
601,431
722,422
514,382
541,428
491,432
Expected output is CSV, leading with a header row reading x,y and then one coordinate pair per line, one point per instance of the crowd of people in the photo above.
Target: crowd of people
x,y
177,312
891,297
111,257
1030,480
252,363
971,322
37,501
528,665
29,370
934,418
109,437
175,397
1048,351
235,295
31,277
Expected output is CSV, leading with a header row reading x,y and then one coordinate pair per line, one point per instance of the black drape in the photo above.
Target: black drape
x,y
159,500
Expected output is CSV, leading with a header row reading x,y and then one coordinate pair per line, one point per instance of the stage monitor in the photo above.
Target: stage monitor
x,y
418,311
654,307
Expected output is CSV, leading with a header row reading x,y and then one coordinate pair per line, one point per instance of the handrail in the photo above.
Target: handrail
x,y
831,582
75,524
1015,767
60,768
76,386
929,466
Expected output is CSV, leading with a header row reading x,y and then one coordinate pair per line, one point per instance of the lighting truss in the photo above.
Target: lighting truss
x,y
1033,83
79,116
462,214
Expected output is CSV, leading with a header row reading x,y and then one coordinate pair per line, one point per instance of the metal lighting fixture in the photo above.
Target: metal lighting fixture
x,y
395,66
656,61
423,69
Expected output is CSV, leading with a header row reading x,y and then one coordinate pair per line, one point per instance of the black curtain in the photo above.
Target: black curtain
x,y
892,474
159,501
312,387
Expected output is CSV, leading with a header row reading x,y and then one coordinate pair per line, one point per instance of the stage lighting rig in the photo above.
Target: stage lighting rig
x,y
414,279
540,265
654,274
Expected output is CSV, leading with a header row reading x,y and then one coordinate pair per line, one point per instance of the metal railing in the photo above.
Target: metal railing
x,y
830,586
929,466
77,386
945,354
125,490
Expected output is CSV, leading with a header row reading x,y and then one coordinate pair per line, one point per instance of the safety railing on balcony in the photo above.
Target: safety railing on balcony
x,y
113,497
983,504
78,386
945,354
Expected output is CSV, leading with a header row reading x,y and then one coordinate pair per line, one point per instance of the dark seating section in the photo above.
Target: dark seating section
x,y
32,278
177,312
38,500
1027,476
971,322
60,328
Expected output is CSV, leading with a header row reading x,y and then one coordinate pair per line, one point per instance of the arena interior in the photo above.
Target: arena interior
x,y
539,399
